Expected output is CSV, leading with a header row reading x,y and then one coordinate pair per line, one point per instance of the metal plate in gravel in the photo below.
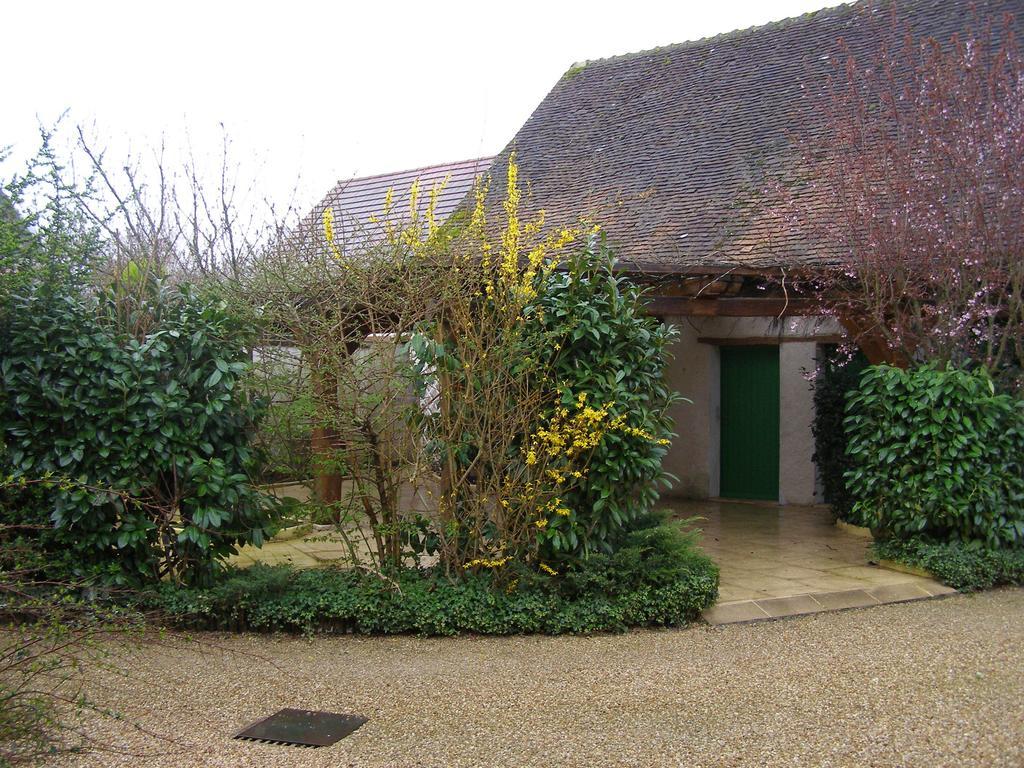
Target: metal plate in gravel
x,y
302,728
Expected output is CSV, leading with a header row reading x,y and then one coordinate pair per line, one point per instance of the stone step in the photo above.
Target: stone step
x,y
741,611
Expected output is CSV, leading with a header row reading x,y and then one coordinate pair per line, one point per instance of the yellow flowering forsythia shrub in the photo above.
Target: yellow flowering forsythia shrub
x,y
500,475
515,438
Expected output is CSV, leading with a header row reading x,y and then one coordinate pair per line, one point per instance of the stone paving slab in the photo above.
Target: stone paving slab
x,y
743,611
736,612
778,607
850,598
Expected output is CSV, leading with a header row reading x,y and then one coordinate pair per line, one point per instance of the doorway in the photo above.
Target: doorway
x,y
749,422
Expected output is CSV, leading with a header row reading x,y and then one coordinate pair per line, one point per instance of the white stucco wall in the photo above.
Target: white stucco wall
x,y
796,405
694,373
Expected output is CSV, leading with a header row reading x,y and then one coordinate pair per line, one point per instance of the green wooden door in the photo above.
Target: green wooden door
x,y
750,423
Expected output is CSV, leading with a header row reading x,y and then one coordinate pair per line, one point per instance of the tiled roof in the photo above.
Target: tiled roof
x,y
355,201
670,149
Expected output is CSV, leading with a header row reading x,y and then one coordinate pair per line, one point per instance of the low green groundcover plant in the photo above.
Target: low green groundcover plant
x,y
937,455
657,577
961,566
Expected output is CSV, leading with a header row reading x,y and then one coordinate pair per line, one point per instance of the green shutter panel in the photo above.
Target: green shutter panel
x,y
750,423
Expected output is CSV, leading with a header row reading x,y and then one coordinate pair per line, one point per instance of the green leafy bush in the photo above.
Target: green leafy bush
x,y
53,628
937,455
143,439
654,553
46,239
961,566
657,578
837,376
601,342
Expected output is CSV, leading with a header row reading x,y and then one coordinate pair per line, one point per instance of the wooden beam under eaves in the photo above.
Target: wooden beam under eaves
x,y
754,306
768,341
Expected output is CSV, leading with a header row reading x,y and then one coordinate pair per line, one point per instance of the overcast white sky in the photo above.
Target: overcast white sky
x,y
327,90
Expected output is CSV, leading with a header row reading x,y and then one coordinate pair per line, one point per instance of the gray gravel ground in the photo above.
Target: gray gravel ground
x,y
935,683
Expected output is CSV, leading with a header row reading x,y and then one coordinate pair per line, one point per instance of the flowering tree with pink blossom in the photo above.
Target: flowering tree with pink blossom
x,y
921,164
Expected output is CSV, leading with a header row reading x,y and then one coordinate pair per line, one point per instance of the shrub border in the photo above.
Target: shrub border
x,y
964,567
329,600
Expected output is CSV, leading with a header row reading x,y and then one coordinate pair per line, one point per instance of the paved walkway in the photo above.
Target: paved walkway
x,y
783,561
775,561
305,551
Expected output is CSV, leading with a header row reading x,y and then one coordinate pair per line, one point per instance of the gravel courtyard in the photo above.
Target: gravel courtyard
x,y
934,683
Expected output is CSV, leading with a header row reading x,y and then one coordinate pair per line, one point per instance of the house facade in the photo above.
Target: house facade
x,y
673,152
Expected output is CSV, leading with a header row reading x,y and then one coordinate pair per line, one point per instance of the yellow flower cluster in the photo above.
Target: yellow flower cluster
x,y
557,507
512,281
642,434
575,433
548,569
509,267
409,232
565,444
483,562
329,232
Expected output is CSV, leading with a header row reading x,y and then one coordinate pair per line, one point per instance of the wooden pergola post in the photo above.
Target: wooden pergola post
x,y
324,442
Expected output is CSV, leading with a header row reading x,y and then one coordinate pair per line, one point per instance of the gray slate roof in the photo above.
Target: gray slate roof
x,y
355,201
670,149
